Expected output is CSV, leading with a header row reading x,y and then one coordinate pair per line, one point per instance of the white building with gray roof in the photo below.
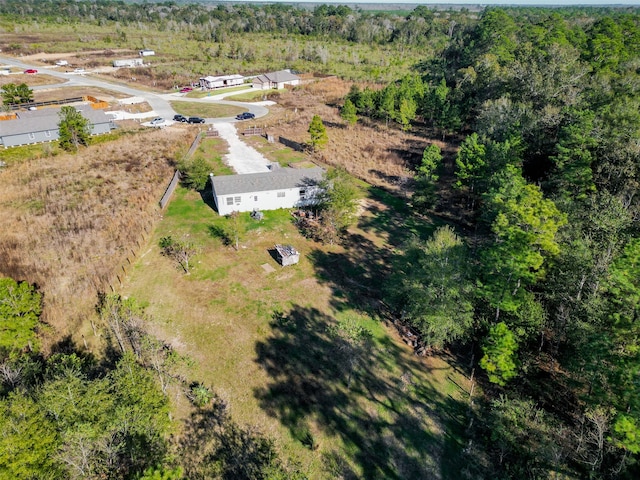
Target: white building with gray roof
x,y
37,126
278,188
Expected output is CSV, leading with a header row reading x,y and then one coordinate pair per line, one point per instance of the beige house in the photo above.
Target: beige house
x,y
275,80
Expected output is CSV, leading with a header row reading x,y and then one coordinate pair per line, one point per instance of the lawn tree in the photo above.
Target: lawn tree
x,y
432,289
348,113
13,94
180,250
424,196
20,308
195,173
74,129
318,133
234,227
338,203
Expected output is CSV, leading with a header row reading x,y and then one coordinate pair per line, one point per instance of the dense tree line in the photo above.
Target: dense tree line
x,y
546,289
215,22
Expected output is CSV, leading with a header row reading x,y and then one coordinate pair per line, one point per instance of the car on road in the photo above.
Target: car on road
x,y
31,70
186,89
180,118
195,120
157,121
245,116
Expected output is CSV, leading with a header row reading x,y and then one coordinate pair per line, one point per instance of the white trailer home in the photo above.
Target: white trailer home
x,y
278,188
128,62
221,81
147,53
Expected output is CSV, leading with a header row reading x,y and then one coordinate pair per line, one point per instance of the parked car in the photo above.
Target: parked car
x,y
245,116
157,121
179,118
31,70
186,89
195,120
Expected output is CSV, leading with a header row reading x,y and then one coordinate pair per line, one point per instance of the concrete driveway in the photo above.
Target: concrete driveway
x,y
241,157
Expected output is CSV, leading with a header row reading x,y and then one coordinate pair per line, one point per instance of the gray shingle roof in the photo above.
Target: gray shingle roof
x,y
32,121
277,77
278,179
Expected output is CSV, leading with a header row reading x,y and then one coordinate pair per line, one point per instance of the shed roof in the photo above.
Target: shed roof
x,y
32,121
277,77
278,179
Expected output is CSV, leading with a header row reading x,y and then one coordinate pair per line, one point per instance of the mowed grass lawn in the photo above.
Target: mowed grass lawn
x,y
207,110
259,337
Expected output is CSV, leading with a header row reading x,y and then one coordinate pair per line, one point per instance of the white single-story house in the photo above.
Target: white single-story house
x,y
146,53
37,126
277,188
275,80
128,62
221,81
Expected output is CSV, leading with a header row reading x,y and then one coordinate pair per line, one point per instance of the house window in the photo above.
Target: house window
x,y
32,136
229,200
281,194
303,192
255,198
48,133
237,199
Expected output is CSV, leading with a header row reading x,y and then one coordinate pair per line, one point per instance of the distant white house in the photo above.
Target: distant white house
x,y
278,188
147,53
62,63
128,62
38,126
275,80
221,81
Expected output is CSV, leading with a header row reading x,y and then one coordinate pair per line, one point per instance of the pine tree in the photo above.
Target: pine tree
x,y
318,133
74,129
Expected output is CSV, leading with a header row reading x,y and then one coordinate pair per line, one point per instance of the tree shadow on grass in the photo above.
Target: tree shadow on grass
x,y
390,428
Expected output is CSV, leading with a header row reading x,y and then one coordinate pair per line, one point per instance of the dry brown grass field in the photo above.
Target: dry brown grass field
x,y
71,221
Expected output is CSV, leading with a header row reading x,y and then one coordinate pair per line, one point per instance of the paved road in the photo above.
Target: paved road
x,y
243,158
159,101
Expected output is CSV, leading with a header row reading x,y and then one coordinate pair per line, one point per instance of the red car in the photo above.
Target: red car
x,y
31,70
186,90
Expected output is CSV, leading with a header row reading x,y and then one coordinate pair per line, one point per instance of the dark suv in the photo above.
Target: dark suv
x,y
245,116
195,120
179,118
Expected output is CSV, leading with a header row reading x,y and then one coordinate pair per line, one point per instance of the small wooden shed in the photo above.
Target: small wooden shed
x,y
287,255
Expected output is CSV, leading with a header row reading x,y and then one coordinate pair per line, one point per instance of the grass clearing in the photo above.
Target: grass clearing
x,y
218,91
261,340
276,152
206,110
253,96
212,150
